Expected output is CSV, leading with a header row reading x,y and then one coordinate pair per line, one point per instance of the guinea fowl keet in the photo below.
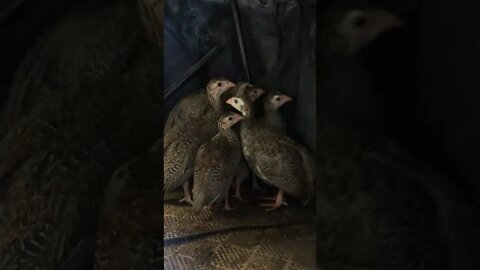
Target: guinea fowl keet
x,y
193,106
243,170
347,28
215,162
272,117
274,157
182,142
243,88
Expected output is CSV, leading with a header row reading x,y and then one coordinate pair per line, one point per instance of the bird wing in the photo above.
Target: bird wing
x,y
211,175
188,108
178,163
278,163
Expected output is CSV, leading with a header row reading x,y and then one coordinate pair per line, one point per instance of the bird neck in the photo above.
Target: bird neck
x,y
229,134
271,115
215,101
249,114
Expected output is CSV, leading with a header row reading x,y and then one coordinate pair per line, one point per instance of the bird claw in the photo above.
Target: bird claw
x,y
273,206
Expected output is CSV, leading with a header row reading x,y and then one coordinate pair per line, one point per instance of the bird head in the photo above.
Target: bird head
x,y
228,120
351,28
240,104
275,101
217,86
255,93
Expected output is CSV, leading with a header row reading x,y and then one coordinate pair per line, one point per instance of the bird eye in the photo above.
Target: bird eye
x,y
230,118
219,84
277,98
236,101
360,21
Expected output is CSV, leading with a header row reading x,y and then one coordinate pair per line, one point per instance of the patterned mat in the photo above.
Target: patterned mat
x,y
241,239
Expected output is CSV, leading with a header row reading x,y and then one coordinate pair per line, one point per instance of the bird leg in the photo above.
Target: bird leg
x,y
278,202
227,206
237,195
187,198
255,184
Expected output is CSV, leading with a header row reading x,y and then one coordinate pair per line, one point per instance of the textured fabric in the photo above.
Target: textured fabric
x,y
274,33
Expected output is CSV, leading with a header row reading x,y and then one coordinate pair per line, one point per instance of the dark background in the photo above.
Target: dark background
x,y
430,74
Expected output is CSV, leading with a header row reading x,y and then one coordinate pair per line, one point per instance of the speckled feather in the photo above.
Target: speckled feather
x,y
179,155
195,105
129,235
272,118
277,160
88,45
215,162
192,106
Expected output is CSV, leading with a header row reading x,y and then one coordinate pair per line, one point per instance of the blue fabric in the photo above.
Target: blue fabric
x,y
275,49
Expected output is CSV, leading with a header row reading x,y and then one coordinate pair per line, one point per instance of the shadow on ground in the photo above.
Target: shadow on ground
x,y
245,238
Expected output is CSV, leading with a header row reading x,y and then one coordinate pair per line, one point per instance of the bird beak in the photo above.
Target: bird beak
x,y
286,98
260,92
229,101
229,84
388,21
238,118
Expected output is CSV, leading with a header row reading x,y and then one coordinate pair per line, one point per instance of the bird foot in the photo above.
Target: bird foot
x,y
278,203
273,206
226,207
186,200
239,198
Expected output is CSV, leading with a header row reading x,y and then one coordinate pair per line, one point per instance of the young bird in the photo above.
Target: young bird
x,y
215,162
181,143
274,157
347,102
243,171
193,106
346,28
272,117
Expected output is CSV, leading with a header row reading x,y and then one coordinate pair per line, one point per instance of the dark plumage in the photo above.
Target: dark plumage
x,y
129,235
90,44
196,104
193,106
272,117
61,150
362,201
58,160
243,170
181,143
347,27
274,157
215,162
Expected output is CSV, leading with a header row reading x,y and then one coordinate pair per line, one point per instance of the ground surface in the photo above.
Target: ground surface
x,y
224,240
